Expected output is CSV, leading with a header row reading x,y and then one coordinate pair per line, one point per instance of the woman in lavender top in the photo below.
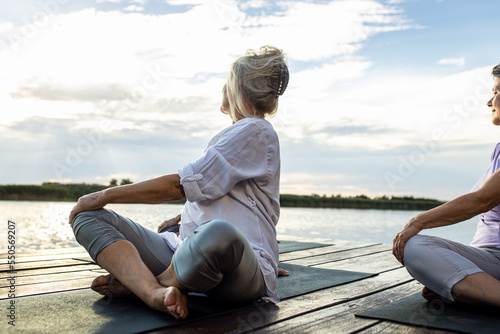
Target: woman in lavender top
x,y
457,272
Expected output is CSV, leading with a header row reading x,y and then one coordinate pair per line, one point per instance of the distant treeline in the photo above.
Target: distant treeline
x,y
359,202
51,191
48,191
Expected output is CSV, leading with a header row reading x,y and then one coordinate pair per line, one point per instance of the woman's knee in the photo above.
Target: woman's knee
x,y
213,256
85,226
422,252
83,218
93,231
218,236
102,215
414,249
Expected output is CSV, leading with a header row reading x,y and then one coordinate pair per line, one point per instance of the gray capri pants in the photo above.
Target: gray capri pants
x,y
216,259
439,263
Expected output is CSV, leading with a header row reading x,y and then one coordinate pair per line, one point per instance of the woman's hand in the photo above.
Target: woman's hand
x,y
399,242
88,202
169,223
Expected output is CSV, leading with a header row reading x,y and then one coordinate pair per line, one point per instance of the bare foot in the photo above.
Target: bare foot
x,y
108,285
283,272
429,294
175,302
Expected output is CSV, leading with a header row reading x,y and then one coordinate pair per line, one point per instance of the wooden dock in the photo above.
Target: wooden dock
x,y
330,310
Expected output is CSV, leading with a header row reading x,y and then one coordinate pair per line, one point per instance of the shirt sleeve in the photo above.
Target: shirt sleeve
x,y
242,152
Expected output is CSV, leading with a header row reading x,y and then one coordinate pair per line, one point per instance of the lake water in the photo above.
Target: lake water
x,y
44,225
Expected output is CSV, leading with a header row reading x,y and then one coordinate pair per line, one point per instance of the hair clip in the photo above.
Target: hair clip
x,y
282,80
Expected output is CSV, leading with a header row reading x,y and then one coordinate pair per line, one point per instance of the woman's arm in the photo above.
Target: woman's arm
x,y
163,189
452,212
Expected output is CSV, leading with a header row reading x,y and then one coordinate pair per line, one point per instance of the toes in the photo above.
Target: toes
x,y
429,294
104,292
283,272
100,281
175,303
108,285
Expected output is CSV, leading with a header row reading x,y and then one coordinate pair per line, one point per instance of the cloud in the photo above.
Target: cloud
x,y
300,27
220,25
254,4
193,2
452,61
119,54
60,150
154,81
393,110
5,27
351,129
133,8
57,91
112,1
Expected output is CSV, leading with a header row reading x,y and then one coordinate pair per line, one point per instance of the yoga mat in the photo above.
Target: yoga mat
x,y
305,279
84,311
292,246
415,310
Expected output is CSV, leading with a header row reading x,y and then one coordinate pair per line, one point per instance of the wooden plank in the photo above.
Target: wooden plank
x,y
44,252
372,263
311,252
268,314
45,271
47,278
340,255
390,327
50,287
57,273
79,255
341,318
4,267
336,246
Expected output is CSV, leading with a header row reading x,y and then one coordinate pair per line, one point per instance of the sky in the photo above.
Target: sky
x,y
386,97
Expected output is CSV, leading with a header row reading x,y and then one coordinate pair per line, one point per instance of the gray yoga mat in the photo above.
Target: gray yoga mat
x,y
305,279
292,246
415,310
84,311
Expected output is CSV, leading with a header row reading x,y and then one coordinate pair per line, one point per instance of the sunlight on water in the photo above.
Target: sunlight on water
x,y
360,225
44,225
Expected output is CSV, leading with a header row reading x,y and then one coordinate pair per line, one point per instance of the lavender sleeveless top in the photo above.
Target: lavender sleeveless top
x,y
488,227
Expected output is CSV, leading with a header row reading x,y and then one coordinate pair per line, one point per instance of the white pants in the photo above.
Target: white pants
x,y
439,263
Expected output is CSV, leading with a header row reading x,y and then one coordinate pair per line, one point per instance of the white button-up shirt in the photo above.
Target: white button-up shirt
x,y
237,180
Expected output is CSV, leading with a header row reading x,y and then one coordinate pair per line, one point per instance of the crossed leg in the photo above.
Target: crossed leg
x,y
478,289
122,260
455,271
216,259
133,256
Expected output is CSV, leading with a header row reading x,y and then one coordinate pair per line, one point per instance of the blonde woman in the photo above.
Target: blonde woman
x,y
227,244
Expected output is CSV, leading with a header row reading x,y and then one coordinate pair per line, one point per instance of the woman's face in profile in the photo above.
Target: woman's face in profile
x,y
494,103
224,108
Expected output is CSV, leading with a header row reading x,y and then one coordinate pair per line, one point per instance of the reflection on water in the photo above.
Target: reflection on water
x,y
38,224
361,225
44,225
